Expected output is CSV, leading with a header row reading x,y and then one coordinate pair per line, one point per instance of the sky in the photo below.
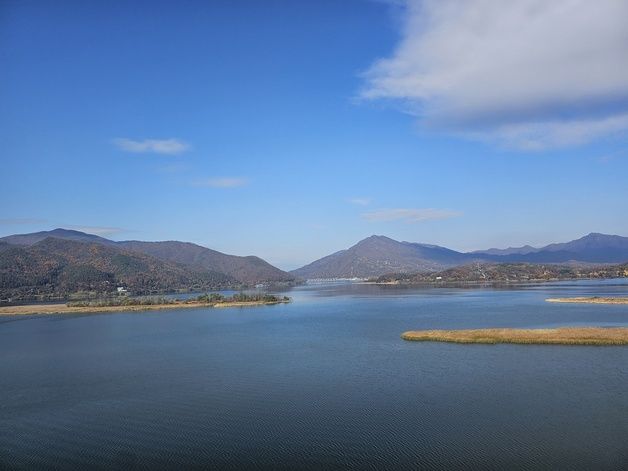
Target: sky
x,y
293,129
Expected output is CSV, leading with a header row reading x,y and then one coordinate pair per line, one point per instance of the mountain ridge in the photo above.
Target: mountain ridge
x,y
381,255
55,267
247,270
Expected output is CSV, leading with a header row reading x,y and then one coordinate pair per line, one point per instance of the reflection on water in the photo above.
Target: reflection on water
x,y
324,382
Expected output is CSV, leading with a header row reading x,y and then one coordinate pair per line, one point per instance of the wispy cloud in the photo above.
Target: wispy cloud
x,y
221,182
155,146
98,230
530,74
360,201
409,215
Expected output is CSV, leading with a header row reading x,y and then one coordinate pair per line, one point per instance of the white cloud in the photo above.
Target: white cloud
x,y
409,215
155,146
542,135
360,201
222,182
527,73
97,230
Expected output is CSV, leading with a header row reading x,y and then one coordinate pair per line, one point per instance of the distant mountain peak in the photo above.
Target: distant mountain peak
x,y
376,237
599,236
378,255
59,233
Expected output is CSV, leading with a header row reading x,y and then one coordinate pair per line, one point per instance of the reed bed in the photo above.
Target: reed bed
x,y
589,300
558,336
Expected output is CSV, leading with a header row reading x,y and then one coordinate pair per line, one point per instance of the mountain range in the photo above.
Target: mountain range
x,y
380,255
62,261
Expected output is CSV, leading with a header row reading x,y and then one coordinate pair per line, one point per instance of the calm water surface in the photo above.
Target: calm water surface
x,y
324,382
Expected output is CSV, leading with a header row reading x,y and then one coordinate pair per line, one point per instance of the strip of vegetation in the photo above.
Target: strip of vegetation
x,y
559,336
589,300
124,301
507,273
217,298
208,298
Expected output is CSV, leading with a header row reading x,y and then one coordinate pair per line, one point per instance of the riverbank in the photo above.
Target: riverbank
x,y
589,300
65,309
558,336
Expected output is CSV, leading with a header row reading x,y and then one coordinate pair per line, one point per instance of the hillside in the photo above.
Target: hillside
x,y
377,255
247,270
57,267
244,270
508,273
66,234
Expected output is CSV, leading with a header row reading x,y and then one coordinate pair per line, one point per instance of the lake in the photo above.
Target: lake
x,y
324,382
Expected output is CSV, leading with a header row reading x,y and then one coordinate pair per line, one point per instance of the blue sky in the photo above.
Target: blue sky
x,y
292,129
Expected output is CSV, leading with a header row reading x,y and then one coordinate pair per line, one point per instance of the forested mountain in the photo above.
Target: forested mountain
x,y
248,270
244,270
62,262
58,267
66,234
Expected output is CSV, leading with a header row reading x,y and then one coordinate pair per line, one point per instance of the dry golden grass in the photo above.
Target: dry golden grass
x,y
559,336
589,300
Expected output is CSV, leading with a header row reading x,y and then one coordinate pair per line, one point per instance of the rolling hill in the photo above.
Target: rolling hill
x,y
247,270
194,258
56,267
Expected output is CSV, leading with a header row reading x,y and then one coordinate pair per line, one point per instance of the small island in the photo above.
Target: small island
x,y
127,304
589,300
558,336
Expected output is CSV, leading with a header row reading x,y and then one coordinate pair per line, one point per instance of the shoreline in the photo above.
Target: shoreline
x,y
589,300
558,336
27,309
448,283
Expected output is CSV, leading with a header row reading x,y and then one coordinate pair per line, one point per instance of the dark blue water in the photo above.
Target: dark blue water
x,y
322,383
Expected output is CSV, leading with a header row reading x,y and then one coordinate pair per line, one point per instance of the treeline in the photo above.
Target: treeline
x,y
123,301
510,273
215,298
208,298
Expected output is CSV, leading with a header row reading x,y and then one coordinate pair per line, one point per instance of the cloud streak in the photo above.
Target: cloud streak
x,y
221,182
98,230
529,73
153,146
409,215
